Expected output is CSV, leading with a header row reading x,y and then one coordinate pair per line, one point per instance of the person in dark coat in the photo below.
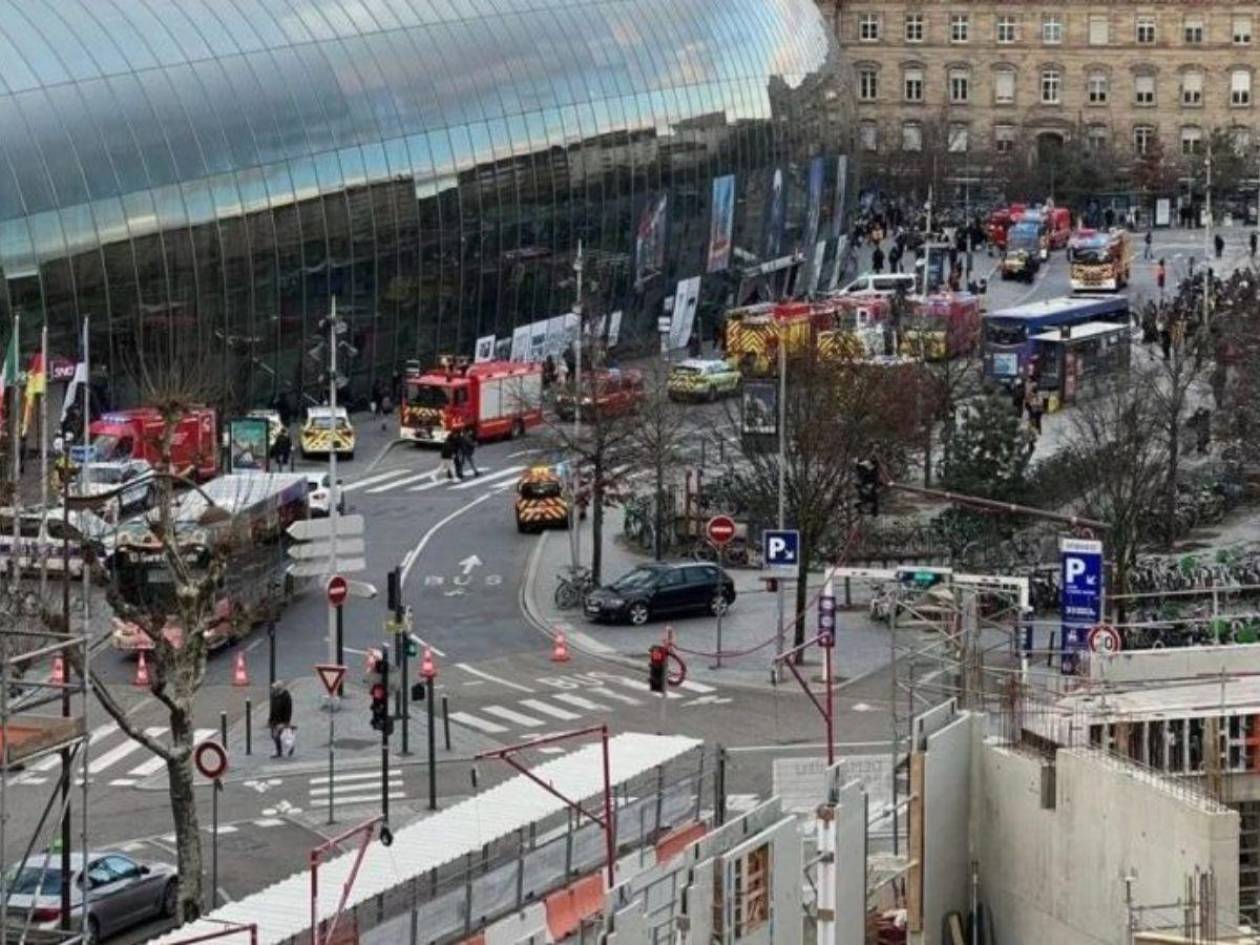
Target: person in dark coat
x,y
279,714
877,259
467,446
448,452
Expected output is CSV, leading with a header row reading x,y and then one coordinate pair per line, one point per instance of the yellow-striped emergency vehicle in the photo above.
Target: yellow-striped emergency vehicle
x,y
327,430
753,334
540,500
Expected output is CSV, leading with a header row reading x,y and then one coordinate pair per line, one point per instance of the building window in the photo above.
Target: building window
x,y
1240,87
1099,29
868,136
1051,84
1144,90
959,138
1143,135
1242,30
1003,138
959,86
1193,30
1096,139
1052,29
914,27
1191,140
1096,87
913,84
1004,87
1007,28
1192,88
959,27
912,136
868,85
1146,30
868,27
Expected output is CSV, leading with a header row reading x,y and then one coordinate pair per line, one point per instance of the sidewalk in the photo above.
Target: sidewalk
x,y
748,629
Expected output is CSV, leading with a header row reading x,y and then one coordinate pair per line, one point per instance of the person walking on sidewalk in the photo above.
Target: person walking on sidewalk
x,y
280,717
1251,242
1146,253
877,259
467,446
448,451
1218,241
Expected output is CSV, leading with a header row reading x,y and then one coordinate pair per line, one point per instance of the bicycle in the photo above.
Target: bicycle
x,y
573,586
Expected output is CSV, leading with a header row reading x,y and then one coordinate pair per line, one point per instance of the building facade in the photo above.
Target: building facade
x,y
221,171
992,77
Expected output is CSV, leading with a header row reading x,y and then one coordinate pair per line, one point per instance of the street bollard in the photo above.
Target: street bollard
x,y
223,728
249,727
271,653
446,723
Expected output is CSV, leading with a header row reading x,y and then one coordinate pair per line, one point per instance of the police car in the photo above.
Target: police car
x,y
128,486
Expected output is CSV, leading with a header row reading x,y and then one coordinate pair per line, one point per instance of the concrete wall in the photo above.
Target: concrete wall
x,y
946,826
1056,877
1172,663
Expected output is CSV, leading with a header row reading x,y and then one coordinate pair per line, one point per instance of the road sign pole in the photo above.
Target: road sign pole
x,y
214,843
432,747
341,651
385,735
332,718
721,599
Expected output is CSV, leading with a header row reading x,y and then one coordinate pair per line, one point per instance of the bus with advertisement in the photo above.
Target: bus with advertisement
x,y
1010,348
1100,260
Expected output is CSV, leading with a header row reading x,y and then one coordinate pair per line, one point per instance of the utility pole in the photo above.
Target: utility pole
x,y
779,592
575,473
1207,240
334,647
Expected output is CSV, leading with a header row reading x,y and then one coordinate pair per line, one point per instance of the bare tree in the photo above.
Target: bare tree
x,y
656,444
1172,390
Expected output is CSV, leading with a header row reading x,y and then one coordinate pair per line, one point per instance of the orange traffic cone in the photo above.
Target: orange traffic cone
x,y
240,676
428,669
142,672
59,671
560,651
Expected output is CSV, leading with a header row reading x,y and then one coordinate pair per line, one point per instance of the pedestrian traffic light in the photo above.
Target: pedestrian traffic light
x,y
658,657
378,690
867,474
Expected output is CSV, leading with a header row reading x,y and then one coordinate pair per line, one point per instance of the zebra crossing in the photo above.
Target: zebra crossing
x,y
536,717
110,750
408,479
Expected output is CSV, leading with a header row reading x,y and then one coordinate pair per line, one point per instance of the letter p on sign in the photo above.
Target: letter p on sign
x,y
1075,567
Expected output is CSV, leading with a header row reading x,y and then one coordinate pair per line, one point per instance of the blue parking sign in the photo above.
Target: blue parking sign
x,y
781,548
1081,600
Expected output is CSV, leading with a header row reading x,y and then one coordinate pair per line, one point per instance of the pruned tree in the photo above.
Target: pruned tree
x,y
656,444
1119,467
1174,392
838,411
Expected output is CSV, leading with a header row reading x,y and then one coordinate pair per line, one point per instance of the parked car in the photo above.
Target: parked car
x,y
695,379
129,485
880,283
655,590
320,493
123,893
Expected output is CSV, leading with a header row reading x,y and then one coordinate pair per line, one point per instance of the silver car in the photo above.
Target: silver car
x,y
123,893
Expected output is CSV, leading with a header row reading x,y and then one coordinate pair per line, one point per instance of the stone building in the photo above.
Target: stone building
x,y
995,77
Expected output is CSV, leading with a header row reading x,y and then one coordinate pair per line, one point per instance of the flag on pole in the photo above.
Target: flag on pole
x,y
8,369
36,386
74,388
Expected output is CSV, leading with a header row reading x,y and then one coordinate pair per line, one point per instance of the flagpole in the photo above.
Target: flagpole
x,y
85,477
15,505
43,459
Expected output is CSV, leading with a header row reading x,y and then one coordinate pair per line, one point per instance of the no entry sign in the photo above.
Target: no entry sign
x,y
720,529
337,590
210,759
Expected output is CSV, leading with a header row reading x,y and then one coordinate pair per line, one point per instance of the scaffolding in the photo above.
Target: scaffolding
x,y
43,726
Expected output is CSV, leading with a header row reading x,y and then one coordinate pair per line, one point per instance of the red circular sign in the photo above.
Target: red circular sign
x,y
720,529
337,590
210,759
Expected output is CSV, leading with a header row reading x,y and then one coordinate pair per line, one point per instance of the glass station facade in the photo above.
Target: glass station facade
x,y
224,168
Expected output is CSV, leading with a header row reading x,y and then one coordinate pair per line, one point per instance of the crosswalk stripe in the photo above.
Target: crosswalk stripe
x,y
47,764
695,687
115,754
483,479
519,718
379,477
357,776
580,702
465,718
424,486
368,798
639,685
156,763
399,483
546,709
608,693
318,793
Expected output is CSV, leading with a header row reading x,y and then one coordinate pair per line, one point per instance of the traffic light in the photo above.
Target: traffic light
x,y
658,658
378,690
393,594
867,474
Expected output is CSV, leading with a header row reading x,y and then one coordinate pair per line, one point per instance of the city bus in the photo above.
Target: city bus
x,y
1009,346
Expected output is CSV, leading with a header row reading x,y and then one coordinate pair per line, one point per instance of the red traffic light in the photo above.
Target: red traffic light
x,y
658,654
378,691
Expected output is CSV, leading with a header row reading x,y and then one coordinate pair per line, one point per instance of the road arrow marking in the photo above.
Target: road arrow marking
x,y
472,561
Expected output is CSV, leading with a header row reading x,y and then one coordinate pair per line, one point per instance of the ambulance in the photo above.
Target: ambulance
x,y
540,500
327,430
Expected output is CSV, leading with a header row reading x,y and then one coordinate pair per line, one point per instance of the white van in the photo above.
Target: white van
x,y
881,283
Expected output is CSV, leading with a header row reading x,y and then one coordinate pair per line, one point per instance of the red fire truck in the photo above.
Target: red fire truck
x,y
137,434
493,399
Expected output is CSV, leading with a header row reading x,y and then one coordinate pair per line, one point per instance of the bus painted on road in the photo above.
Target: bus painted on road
x,y
1009,348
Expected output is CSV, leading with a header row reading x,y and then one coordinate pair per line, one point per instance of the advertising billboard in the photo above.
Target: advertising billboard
x,y
721,223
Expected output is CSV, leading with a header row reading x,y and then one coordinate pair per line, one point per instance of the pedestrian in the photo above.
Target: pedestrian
x,y
1146,253
447,453
468,446
378,394
570,360
456,439
1251,241
1161,273
280,718
1165,335
1035,410
549,371
1219,242
877,259
694,344
894,258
